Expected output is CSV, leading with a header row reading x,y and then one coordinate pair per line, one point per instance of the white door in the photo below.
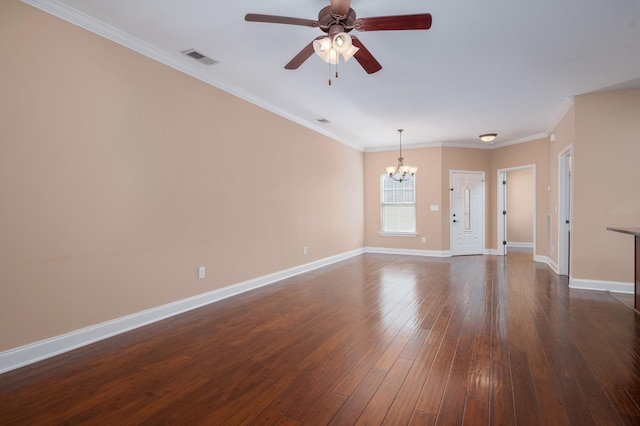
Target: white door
x,y
564,212
467,213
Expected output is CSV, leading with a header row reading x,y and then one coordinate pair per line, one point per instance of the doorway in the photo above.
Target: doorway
x,y
564,211
516,196
467,205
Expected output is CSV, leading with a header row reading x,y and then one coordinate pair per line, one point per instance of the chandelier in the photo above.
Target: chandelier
x,y
401,172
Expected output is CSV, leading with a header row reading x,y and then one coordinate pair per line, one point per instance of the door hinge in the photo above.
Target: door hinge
x,y
504,182
504,243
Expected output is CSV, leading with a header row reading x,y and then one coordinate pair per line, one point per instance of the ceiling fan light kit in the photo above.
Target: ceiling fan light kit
x,y
330,50
336,20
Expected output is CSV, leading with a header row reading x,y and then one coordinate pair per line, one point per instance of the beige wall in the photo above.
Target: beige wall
x,y
520,205
432,188
470,160
605,175
117,182
534,153
564,135
428,184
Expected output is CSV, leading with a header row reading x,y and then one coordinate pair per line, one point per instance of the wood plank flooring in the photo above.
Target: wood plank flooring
x,y
376,339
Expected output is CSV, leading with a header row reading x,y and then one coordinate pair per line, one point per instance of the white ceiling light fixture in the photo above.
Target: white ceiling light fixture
x,y
401,172
488,137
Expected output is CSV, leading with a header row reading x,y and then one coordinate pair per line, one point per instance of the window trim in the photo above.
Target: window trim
x,y
397,234
383,233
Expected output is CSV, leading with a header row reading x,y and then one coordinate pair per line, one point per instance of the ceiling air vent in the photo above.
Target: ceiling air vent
x,y
199,57
323,120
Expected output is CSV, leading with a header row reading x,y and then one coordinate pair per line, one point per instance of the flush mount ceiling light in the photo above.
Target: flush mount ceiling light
x,y
401,172
488,137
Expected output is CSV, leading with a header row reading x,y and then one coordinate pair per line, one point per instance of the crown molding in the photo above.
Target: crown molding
x,y
468,145
174,60
524,139
565,106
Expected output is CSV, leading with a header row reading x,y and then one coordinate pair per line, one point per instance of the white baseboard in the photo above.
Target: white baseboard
x,y
612,286
408,252
34,352
547,261
492,252
516,244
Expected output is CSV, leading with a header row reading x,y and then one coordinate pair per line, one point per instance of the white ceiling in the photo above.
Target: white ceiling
x,y
503,66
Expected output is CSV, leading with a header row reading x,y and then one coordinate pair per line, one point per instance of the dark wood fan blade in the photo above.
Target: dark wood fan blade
x,y
302,56
365,58
388,23
274,19
340,7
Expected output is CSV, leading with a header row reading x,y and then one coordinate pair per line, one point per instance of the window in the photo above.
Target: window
x,y
398,206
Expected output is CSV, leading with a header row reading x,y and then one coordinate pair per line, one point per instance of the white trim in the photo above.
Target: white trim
x,y
397,234
407,252
612,286
565,106
516,244
34,352
501,175
492,252
175,60
546,260
563,212
501,224
475,144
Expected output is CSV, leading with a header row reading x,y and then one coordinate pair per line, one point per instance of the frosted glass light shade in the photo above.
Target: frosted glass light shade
x,y
349,53
322,47
341,43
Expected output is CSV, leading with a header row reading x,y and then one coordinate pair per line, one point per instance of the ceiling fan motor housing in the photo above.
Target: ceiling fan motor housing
x,y
332,24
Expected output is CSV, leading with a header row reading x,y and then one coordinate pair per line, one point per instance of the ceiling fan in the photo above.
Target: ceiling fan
x,y
336,20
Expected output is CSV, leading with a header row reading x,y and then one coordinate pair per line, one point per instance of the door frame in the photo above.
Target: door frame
x,y
564,209
483,197
501,191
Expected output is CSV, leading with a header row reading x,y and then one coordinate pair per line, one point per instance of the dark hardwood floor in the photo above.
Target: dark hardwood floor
x,y
376,339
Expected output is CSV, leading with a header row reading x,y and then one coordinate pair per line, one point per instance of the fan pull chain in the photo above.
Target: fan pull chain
x,y
337,61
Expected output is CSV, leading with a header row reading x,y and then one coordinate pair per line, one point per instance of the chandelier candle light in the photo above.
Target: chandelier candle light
x,y
401,172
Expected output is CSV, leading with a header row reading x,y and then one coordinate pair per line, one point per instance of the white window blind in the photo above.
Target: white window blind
x,y
398,205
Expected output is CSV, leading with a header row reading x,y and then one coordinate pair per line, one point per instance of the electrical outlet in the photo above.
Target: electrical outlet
x,y
424,240
201,272
304,250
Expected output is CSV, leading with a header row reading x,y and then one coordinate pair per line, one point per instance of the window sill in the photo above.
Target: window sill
x,y
398,234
